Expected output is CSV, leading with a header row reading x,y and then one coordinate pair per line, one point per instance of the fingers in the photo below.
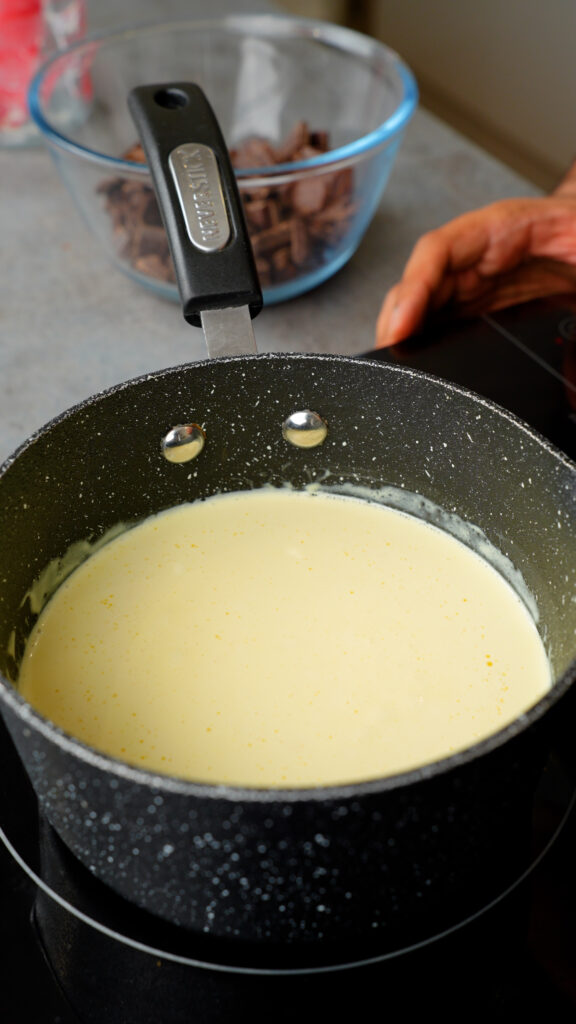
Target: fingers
x,y
457,263
536,279
403,311
429,278
473,295
453,248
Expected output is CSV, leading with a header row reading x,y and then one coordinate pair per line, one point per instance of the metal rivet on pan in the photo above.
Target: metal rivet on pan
x,y
305,429
183,443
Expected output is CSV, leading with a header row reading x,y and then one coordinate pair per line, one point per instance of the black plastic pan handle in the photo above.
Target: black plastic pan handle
x,y
198,197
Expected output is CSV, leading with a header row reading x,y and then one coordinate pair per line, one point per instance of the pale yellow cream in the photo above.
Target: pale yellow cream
x,y
277,638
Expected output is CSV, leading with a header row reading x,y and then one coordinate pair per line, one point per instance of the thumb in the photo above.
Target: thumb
x,y
402,312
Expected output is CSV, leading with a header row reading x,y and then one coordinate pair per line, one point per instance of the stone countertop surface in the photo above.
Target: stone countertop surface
x,y
71,324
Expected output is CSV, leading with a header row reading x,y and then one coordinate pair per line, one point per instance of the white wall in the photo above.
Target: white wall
x,y
506,67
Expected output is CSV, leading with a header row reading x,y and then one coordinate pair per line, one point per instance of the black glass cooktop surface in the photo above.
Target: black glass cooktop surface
x,y
56,968
524,358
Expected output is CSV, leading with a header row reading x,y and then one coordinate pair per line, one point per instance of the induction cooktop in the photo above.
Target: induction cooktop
x,y
523,358
57,968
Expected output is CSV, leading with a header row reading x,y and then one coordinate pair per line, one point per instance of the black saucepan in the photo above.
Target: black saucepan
x,y
367,867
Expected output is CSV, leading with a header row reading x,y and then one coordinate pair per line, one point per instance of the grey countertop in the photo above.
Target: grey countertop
x,y
71,324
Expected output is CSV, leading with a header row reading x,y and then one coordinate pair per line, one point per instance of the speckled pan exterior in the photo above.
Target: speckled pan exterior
x,y
368,866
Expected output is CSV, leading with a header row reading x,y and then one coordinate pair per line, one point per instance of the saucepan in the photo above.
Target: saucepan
x,y
315,873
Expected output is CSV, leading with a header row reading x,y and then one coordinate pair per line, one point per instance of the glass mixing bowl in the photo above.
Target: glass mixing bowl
x,y
312,113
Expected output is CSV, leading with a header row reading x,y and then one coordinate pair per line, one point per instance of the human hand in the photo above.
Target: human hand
x,y
509,252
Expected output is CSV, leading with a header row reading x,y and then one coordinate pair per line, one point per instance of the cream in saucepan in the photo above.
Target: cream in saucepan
x,y
285,639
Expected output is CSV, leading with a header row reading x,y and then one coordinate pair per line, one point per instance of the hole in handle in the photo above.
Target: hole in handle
x,y
171,99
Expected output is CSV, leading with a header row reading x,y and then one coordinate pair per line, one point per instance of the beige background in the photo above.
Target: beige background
x,y
502,72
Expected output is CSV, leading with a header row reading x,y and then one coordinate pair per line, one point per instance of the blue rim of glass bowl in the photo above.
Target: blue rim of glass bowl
x,y
281,26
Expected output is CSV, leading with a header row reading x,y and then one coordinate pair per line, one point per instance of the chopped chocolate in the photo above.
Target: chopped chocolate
x,y
270,239
135,153
320,141
309,195
261,213
298,137
282,263
253,152
154,265
290,225
299,242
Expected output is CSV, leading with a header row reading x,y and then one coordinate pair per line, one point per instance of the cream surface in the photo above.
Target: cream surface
x,y
278,638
